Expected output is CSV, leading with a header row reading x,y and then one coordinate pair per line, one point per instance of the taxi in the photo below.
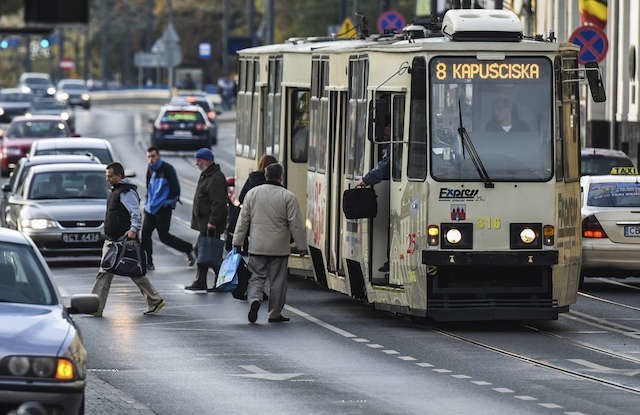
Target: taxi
x,y
611,224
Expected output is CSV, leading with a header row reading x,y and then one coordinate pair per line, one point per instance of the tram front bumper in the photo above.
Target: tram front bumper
x,y
494,258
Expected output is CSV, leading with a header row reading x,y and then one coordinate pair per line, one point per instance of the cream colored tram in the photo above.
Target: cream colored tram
x,y
480,217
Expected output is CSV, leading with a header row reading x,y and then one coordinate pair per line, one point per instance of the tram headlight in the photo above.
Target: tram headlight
x,y
527,235
433,233
453,236
548,232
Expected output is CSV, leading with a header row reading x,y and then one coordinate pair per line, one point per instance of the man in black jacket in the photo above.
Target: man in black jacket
x,y
122,219
163,193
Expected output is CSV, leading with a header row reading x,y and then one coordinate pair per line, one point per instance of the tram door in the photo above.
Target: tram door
x,y
337,134
389,190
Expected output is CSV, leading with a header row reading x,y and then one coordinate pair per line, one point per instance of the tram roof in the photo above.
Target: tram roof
x,y
304,46
442,44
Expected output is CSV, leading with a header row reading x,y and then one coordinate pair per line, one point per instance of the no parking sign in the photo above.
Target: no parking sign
x,y
593,44
390,20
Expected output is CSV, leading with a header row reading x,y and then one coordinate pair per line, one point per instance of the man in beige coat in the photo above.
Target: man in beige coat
x,y
274,216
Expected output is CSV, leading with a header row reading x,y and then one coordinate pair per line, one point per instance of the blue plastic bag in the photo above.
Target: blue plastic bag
x,y
228,275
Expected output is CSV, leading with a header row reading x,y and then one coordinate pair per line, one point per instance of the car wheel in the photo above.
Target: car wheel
x,y
81,409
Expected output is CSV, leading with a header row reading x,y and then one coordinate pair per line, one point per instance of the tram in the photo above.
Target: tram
x,y
480,216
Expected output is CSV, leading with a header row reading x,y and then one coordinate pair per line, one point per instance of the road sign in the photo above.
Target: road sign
x,y
390,20
347,30
593,44
146,60
204,50
67,64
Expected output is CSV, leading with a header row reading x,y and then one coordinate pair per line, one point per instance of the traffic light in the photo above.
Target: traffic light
x,y
44,43
4,44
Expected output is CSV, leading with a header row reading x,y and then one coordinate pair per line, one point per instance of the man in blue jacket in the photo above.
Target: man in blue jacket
x,y
163,193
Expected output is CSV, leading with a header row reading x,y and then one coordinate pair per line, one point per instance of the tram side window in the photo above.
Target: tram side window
x,y
558,128
299,125
255,107
272,110
356,129
571,118
417,165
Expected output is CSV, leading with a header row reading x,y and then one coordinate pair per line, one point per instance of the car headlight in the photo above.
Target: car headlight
x,y
63,96
85,97
38,224
64,115
51,91
1,111
38,367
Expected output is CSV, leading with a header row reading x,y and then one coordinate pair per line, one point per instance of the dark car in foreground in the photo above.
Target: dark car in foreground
x,y
42,357
61,207
180,127
600,161
22,132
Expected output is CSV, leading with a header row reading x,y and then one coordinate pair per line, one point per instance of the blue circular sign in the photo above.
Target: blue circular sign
x,y
593,43
390,20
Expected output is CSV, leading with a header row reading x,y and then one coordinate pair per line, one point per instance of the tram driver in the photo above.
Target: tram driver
x,y
505,119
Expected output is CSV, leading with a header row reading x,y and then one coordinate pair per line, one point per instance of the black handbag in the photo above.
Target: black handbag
x,y
126,258
210,250
359,203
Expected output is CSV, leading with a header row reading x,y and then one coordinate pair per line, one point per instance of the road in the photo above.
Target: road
x,y
337,355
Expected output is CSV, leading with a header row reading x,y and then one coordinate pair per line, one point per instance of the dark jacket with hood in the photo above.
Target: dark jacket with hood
x,y
120,217
210,201
256,178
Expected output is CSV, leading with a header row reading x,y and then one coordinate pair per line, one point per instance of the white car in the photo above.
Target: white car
x,y
611,225
97,147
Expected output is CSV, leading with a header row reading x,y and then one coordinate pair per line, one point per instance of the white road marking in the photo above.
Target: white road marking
x,y
375,346
574,413
481,383
258,373
622,284
461,376
321,323
423,364
390,352
442,370
503,390
525,398
360,340
604,324
550,405
406,358
596,368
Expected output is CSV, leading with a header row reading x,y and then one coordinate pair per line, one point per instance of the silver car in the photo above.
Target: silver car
x,y
42,357
62,208
610,225
98,147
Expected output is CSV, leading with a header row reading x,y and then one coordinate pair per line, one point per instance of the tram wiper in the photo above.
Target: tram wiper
x,y
467,144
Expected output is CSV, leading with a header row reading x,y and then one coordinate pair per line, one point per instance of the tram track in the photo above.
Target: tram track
x,y
544,364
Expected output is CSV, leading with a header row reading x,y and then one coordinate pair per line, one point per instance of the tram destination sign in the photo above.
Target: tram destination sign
x,y
456,70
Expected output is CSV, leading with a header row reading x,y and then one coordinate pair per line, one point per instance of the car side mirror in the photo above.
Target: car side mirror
x,y
84,304
6,187
129,173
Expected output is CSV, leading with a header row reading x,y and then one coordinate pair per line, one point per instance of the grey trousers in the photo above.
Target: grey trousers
x,y
273,269
103,284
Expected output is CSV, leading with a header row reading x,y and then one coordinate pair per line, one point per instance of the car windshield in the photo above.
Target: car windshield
x,y
22,277
101,153
37,81
68,185
623,194
15,97
503,106
602,165
52,104
48,128
76,87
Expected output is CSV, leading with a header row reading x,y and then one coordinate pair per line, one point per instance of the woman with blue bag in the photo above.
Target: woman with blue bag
x,y
209,217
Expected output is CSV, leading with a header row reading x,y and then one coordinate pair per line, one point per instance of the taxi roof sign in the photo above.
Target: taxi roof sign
x,y
624,171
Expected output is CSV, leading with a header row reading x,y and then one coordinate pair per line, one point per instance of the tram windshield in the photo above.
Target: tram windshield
x,y
505,107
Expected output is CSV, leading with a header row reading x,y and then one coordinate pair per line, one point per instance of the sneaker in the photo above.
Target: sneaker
x,y
253,311
155,308
150,267
97,314
385,267
191,259
195,287
280,319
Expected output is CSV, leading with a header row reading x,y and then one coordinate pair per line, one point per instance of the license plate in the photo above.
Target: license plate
x,y
632,231
182,133
81,237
